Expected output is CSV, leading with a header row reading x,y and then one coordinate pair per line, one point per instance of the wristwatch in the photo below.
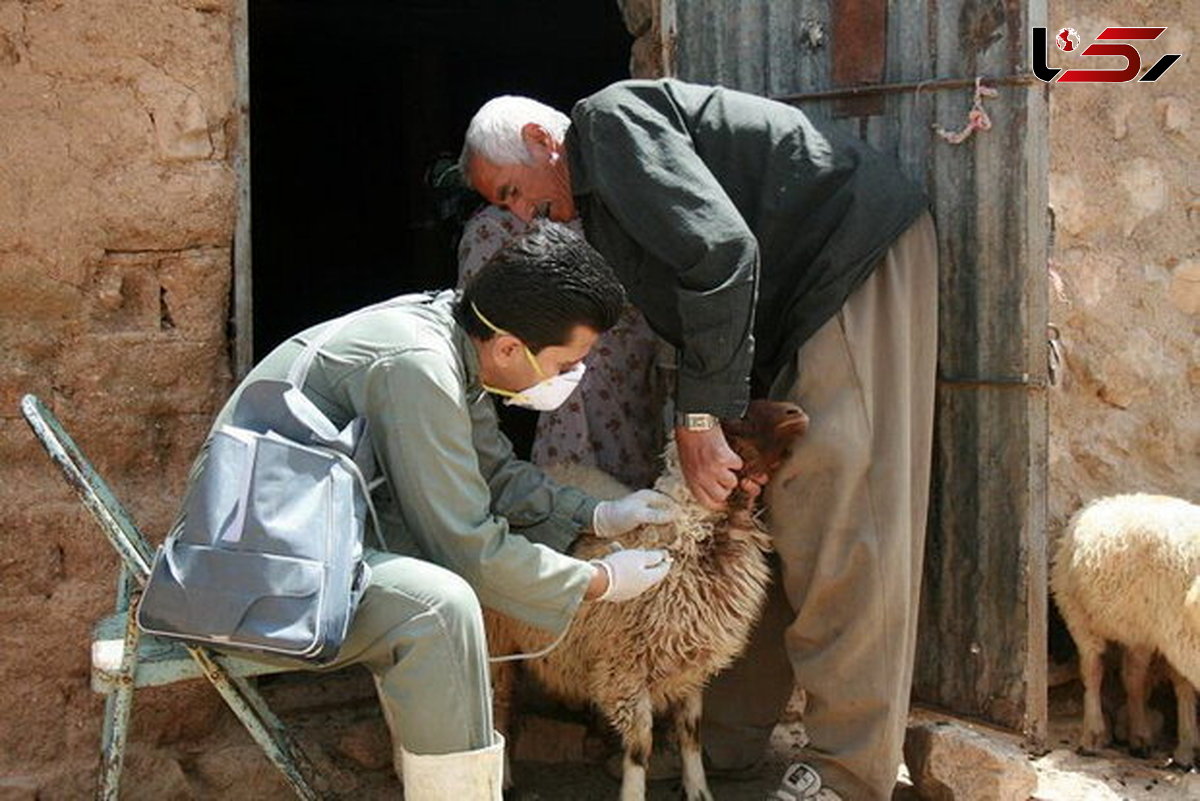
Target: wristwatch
x,y
695,421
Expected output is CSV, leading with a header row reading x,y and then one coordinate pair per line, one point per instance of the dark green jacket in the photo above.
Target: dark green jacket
x,y
737,225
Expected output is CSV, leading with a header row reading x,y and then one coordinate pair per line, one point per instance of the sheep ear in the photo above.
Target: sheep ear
x,y
1191,605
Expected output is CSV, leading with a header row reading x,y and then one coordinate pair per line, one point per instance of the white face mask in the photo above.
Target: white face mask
x,y
544,396
547,394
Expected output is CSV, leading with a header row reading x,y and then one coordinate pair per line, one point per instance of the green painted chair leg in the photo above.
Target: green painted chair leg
x,y
267,732
118,704
112,747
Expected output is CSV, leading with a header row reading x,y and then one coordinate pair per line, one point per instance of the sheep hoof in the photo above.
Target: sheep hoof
x,y
1091,742
1139,751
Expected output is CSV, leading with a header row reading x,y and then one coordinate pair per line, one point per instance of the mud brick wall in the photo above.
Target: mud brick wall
x,y
116,227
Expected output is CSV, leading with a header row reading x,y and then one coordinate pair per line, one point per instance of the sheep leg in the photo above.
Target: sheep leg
x,y
1185,701
633,717
1135,666
1091,671
504,682
687,728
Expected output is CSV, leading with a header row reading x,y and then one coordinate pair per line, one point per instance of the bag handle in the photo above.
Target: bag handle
x,y
298,374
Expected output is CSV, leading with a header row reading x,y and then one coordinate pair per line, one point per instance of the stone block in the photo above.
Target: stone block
x,y
34,298
1146,190
1185,287
154,373
1176,114
1075,212
180,125
124,293
195,292
143,205
950,762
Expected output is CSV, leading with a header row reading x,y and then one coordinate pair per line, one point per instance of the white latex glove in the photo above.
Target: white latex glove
x,y
632,572
614,518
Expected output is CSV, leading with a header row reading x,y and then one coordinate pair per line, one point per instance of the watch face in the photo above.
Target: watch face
x,y
697,421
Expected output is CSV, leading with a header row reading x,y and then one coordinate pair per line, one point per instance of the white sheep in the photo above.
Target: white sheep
x,y
656,652
1128,571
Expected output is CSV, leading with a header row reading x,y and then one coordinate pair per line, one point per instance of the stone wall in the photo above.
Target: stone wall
x,y
1125,192
116,226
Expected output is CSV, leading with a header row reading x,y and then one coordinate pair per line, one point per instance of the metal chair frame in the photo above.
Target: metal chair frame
x,y
124,659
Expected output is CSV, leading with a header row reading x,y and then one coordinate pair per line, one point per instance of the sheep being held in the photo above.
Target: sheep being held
x,y
1128,571
656,652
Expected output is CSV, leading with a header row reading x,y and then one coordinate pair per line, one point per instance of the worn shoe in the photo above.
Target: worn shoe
x,y
802,783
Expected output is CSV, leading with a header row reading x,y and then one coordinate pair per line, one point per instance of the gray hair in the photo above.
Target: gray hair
x,y
495,130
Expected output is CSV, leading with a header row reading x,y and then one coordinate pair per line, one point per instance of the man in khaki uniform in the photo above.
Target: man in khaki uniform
x,y
465,522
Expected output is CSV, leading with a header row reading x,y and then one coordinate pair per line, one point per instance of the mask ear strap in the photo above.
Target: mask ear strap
x,y
498,391
528,353
533,360
486,321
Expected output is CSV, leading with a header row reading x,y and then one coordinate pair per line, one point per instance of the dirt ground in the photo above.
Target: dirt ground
x,y
1063,775
346,734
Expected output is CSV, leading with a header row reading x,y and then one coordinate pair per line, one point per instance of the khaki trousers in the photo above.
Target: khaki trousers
x,y
419,630
847,517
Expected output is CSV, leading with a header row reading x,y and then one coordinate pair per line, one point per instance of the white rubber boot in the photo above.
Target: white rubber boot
x,y
462,776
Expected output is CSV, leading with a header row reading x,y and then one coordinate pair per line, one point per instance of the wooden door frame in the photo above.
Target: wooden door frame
x,y
242,302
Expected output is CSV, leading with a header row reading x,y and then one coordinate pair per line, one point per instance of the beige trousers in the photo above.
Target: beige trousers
x,y
847,517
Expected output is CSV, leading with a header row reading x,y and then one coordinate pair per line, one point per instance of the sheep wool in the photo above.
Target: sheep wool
x,y
1128,571
656,652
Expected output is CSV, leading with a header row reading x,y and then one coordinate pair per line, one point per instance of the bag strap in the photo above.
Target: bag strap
x,y
298,374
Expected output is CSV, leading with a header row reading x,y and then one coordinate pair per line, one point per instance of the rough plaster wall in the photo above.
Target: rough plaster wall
x,y
116,222
1125,191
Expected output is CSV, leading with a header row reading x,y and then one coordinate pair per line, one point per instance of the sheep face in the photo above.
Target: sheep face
x,y
763,439
656,652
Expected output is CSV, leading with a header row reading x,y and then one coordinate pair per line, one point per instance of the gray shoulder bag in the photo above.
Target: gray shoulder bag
x,y
268,553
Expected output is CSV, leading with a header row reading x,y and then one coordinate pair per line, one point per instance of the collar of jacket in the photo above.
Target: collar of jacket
x,y
581,180
469,358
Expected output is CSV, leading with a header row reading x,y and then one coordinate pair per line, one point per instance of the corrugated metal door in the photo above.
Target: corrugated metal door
x,y
890,73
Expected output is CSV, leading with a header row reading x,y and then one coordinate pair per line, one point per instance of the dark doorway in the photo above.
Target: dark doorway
x,y
351,102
